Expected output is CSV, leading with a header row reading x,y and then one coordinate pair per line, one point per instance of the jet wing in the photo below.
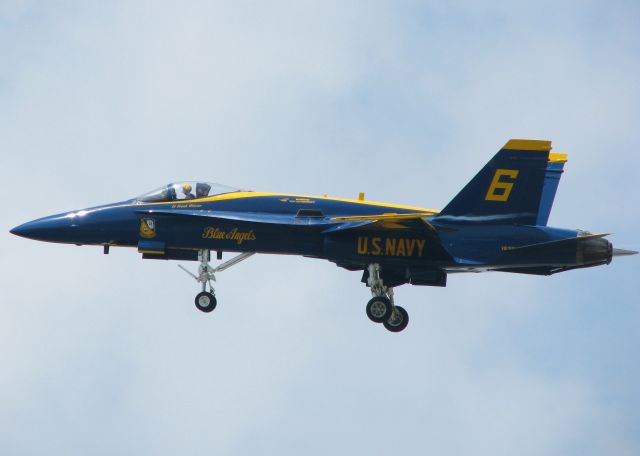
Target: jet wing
x,y
385,216
254,217
390,221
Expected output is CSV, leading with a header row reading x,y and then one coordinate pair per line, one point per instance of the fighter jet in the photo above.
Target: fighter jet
x,y
498,222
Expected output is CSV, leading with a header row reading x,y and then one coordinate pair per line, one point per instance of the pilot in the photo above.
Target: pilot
x,y
186,189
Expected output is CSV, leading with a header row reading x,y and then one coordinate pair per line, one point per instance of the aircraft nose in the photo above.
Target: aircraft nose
x,y
21,230
54,229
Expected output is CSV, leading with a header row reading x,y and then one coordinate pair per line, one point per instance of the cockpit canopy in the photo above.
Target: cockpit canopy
x,y
182,191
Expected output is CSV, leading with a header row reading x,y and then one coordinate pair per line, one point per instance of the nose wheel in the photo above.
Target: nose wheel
x,y
206,300
381,308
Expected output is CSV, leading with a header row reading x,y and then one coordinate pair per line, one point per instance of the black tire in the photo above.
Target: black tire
x,y
206,302
379,309
398,321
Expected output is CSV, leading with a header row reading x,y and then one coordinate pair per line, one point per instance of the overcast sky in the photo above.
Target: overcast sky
x,y
402,100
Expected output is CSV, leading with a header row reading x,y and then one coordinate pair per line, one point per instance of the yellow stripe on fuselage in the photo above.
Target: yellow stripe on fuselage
x,y
246,194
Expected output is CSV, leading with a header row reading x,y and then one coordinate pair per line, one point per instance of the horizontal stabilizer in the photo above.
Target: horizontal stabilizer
x,y
580,251
558,243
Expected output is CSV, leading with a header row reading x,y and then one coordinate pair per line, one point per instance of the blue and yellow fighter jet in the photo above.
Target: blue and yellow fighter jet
x,y
498,222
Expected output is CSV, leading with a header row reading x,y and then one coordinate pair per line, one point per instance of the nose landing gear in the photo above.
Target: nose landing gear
x,y
381,308
206,300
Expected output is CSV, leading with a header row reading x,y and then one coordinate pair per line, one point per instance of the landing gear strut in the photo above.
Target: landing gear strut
x,y
206,300
381,308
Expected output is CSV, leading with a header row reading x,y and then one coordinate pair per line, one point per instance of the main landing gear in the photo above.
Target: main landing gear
x,y
206,300
381,308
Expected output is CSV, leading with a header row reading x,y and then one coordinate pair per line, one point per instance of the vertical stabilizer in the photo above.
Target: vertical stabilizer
x,y
517,186
551,181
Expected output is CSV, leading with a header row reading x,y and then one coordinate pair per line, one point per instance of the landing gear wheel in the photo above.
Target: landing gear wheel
x,y
398,321
206,302
379,309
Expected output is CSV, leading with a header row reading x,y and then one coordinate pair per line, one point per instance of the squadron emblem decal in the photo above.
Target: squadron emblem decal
x,y
147,228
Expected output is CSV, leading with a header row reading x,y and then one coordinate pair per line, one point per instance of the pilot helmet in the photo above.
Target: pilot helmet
x,y
186,188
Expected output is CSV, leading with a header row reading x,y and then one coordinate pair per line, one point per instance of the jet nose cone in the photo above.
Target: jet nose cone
x,y
53,229
22,230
